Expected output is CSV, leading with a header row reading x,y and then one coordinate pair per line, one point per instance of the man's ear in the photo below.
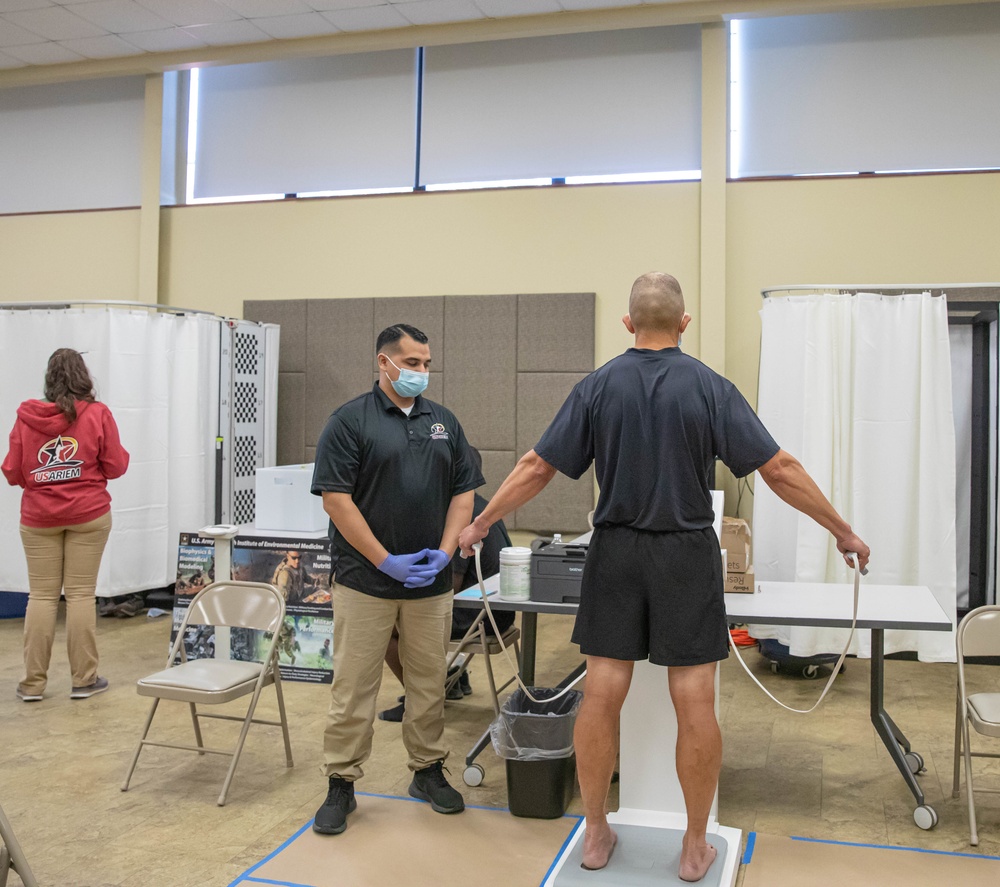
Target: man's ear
x,y
685,320
627,320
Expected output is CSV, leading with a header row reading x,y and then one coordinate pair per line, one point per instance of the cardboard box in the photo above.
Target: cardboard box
x,y
736,542
741,583
284,502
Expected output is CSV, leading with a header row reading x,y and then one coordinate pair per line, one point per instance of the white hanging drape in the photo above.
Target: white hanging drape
x,y
858,388
159,374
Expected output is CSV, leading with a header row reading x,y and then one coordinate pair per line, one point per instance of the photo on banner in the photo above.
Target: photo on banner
x,y
298,568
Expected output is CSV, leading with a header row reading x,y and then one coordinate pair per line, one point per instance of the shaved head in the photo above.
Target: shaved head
x,y
656,304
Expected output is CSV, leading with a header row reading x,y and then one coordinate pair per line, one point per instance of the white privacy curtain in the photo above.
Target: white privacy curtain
x,y
858,388
159,374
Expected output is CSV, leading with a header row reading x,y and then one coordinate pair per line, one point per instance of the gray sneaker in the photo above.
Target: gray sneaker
x,y
99,686
430,785
28,697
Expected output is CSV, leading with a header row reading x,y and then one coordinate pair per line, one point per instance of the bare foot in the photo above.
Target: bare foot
x,y
598,845
695,863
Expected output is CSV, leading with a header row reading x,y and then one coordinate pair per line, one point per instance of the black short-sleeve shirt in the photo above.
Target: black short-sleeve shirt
x,y
402,472
653,422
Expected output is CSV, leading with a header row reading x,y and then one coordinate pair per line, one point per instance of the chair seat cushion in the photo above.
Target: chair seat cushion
x,y
985,711
205,675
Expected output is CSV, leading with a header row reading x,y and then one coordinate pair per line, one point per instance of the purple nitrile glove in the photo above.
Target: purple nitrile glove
x,y
422,575
398,566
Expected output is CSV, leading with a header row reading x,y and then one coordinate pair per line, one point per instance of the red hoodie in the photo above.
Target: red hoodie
x,y
64,467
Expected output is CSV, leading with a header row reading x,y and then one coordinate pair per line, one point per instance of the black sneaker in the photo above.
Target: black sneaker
x,y
394,714
463,682
430,785
331,818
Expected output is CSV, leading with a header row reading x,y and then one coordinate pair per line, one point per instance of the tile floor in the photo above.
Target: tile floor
x,y
823,775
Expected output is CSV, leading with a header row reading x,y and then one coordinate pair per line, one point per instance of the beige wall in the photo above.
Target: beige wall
x,y
84,255
580,239
919,229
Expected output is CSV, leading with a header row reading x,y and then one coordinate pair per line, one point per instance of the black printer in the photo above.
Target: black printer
x,y
557,571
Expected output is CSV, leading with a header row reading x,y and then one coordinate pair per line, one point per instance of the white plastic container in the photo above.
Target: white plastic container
x,y
515,574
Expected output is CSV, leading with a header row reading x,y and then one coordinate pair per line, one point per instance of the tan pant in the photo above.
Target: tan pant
x,y
62,559
362,625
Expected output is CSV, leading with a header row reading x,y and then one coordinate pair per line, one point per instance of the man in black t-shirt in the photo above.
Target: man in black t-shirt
x,y
397,481
652,421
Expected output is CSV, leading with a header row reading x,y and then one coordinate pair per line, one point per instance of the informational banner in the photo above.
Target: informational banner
x,y
299,568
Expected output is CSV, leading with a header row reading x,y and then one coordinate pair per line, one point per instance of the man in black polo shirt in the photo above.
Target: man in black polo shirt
x,y
397,480
652,421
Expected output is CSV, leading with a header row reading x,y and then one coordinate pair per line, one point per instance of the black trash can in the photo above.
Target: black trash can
x,y
536,741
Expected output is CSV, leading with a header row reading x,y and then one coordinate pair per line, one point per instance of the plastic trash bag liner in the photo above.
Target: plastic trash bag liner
x,y
536,731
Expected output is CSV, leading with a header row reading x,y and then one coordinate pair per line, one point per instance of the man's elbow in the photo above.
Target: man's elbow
x,y
779,469
538,468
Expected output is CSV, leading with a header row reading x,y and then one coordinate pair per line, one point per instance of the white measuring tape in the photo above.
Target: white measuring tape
x,y
517,673
840,661
512,663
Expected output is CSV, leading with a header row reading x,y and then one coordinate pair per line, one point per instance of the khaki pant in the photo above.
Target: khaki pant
x,y
362,626
62,559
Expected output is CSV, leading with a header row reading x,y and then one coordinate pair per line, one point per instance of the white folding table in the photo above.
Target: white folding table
x,y
908,607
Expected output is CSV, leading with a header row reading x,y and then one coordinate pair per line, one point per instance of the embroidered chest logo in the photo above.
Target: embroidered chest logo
x,y
438,432
57,462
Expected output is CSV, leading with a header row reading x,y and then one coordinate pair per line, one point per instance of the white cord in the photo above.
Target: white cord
x,y
840,661
517,675
514,667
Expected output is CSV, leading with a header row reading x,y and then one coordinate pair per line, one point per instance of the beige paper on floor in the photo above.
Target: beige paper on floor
x,y
398,841
787,862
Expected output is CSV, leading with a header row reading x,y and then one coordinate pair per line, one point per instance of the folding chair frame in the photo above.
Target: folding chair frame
x,y
962,714
477,635
269,673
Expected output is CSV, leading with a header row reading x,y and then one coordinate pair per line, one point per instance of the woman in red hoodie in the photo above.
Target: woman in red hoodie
x,y
63,450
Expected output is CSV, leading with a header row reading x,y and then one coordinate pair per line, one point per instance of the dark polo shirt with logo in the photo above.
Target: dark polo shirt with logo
x,y
402,473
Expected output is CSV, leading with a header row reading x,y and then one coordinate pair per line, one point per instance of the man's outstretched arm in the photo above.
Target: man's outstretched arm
x,y
791,483
527,480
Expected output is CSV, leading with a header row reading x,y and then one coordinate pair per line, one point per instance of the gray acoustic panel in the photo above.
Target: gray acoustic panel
x,y
291,418
480,386
564,503
310,455
290,315
338,357
555,333
426,313
496,466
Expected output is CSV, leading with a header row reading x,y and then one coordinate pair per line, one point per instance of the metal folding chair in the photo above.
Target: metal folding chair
x,y
12,857
255,605
978,635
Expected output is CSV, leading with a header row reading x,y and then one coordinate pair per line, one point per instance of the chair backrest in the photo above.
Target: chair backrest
x,y
239,605
979,632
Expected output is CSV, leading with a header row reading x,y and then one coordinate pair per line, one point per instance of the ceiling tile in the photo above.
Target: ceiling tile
x,y
434,12
8,61
12,35
501,8
227,33
55,23
43,54
166,40
596,4
327,5
14,5
110,46
120,16
288,27
267,8
190,12
368,18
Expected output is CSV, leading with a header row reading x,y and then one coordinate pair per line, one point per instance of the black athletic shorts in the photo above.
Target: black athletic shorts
x,y
653,595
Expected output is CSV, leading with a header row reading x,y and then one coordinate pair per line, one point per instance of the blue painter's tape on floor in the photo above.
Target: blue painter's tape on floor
x,y
889,847
246,875
748,853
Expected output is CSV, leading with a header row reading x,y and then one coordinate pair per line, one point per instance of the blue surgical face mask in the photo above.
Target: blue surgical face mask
x,y
410,383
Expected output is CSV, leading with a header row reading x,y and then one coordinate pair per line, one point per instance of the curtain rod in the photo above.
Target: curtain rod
x,y
167,309
875,287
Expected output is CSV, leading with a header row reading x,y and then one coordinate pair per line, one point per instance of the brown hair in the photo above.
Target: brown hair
x,y
67,380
